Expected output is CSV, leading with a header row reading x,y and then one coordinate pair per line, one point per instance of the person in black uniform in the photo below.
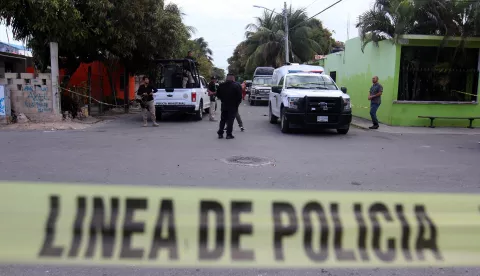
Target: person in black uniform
x,y
145,95
230,93
188,80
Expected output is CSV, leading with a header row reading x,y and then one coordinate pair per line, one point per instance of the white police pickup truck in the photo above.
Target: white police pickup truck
x,y
180,89
304,97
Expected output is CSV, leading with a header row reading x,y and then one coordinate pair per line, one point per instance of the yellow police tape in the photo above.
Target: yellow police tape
x,y
193,227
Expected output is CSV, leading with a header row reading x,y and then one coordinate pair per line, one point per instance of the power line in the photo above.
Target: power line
x,y
310,4
326,9
316,14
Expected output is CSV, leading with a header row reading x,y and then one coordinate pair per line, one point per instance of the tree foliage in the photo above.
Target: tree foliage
x,y
202,47
390,18
134,32
237,62
219,73
265,46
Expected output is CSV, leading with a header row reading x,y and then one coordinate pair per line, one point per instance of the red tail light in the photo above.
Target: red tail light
x,y
194,97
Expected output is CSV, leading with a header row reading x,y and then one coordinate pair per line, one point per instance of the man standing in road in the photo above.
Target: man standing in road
x,y
230,93
375,99
212,92
145,92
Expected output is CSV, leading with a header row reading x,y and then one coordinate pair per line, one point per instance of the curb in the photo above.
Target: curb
x,y
359,126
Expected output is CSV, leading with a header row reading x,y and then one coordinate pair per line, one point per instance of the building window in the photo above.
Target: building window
x,y
122,82
438,74
333,75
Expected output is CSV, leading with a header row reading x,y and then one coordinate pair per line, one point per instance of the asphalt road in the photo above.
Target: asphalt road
x,y
187,153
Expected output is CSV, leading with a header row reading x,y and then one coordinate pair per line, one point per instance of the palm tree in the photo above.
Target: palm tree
x,y
386,20
464,18
265,45
390,18
203,47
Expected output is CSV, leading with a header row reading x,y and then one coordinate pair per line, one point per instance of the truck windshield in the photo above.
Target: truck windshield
x,y
310,82
262,81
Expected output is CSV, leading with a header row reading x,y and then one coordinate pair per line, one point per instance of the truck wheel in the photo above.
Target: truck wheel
x,y
284,124
199,113
207,111
343,131
273,118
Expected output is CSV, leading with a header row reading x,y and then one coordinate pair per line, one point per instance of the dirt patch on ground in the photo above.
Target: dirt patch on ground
x,y
51,126
67,124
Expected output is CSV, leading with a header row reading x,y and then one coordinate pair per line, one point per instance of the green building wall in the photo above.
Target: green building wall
x,y
355,70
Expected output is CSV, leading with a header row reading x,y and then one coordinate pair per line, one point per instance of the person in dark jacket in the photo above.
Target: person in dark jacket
x,y
145,94
188,80
230,93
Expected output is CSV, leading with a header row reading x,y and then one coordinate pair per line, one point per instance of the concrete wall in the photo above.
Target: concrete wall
x,y
355,70
31,95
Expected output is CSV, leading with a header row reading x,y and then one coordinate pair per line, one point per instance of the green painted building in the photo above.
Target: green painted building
x,y
421,76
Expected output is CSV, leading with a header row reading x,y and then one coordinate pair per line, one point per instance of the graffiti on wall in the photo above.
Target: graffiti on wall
x,y
37,98
2,101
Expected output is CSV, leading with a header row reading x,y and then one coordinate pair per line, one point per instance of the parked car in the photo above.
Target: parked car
x,y
262,79
173,97
304,97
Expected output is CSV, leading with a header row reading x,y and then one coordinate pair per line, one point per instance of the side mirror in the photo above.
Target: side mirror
x,y
344,90
276,89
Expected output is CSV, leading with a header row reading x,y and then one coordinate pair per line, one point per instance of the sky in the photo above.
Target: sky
x,y
222,22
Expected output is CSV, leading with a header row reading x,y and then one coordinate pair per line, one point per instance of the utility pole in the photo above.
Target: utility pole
x,y
287,52
55,77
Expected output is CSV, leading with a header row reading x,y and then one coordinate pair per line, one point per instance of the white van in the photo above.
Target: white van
x,y
303,96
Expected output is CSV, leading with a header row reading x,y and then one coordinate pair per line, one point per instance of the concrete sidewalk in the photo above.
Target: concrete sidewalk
x,y
365,124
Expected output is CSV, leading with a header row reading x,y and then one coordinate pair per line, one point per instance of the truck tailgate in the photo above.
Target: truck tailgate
x,y
178,96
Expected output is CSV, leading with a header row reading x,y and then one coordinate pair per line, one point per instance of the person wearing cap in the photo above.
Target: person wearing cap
x,y
212,92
